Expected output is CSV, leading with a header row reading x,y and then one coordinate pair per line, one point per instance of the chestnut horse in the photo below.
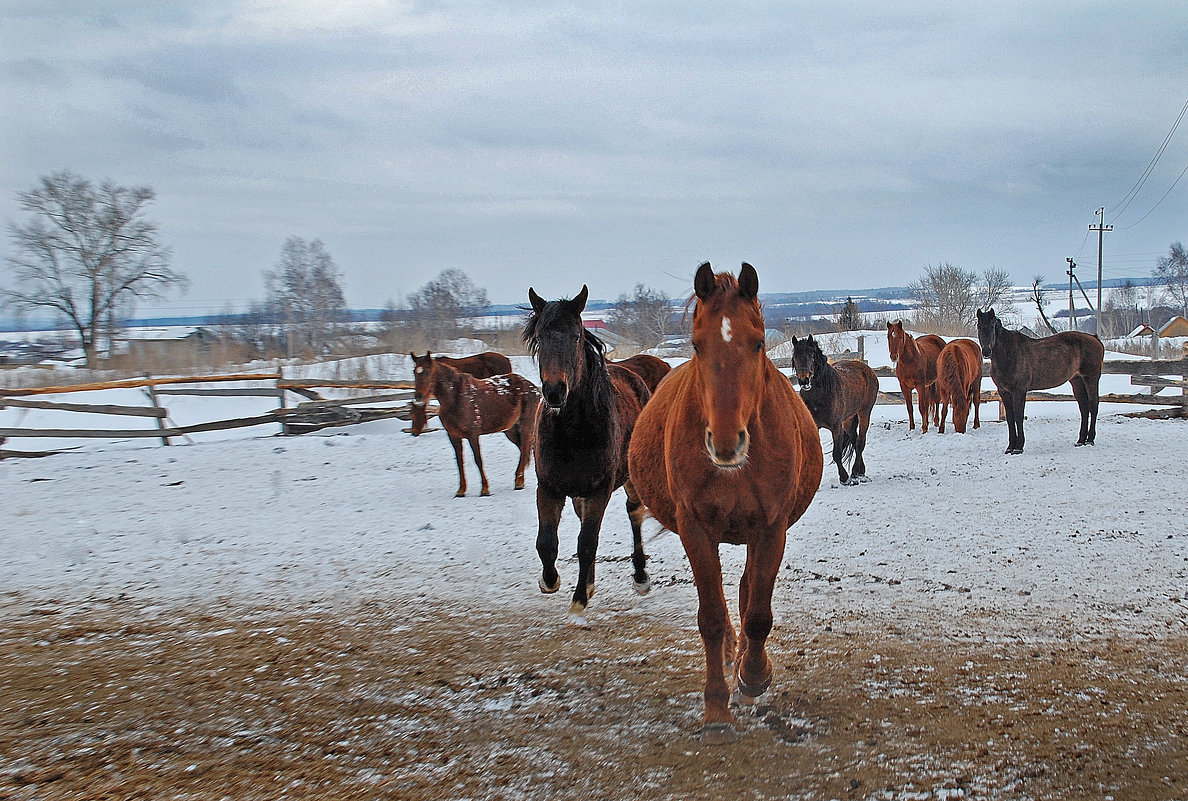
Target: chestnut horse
x,y
650,368
1019,364
582,433
480,365
840,397
915,367
726,451
959,383
469,407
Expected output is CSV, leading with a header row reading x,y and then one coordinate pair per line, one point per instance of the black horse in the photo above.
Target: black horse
x,y
840,397
583,430
1019,364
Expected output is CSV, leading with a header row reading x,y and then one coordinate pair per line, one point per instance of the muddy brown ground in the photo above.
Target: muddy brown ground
x,y
119,700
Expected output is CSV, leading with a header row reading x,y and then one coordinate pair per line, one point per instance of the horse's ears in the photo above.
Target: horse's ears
x,y
748,282
704,284
579,302
794,340
536,300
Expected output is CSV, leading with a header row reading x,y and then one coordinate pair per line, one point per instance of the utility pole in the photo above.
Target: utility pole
x,y
1072,313
1101,229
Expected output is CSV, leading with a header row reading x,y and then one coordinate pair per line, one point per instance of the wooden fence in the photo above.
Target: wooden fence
x,y
315,412
311,414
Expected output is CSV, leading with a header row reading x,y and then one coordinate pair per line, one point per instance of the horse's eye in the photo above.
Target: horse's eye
x,y
696,349
758,347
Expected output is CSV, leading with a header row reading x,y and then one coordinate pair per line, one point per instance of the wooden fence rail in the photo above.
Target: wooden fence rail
x,y
317,412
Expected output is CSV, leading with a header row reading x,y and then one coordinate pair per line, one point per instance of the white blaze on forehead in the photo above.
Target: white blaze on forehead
x,y
726,329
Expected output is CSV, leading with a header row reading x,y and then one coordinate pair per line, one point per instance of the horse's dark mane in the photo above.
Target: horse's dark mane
x,y
557,315
824,375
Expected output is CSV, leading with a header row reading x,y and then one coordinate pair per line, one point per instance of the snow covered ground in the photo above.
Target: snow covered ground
x,y
1058,541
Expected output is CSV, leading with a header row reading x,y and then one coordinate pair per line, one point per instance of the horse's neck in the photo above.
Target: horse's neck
x,y
447,385
908,350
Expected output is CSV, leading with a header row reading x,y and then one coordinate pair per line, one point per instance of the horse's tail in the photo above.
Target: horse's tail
x,y
949,383
847,445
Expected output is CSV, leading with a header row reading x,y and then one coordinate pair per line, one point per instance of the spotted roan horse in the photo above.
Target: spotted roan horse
x,y
1019,364
582,433
727,452
480,365
469,407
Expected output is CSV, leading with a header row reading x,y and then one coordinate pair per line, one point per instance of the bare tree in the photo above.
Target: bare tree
x,y
1037,296
87,254
995,290
304,294
645,316
945,299
1120,314
441,307
1172,272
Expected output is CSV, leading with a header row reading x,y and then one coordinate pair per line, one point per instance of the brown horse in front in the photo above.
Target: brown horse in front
x,y
480,365
726,451
915,367
470,407
959,382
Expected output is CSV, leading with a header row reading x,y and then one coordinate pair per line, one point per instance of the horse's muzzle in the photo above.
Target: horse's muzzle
x,y
728,457
554,394
805,382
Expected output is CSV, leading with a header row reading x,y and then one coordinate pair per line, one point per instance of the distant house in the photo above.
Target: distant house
x,y
1175,327
1141,330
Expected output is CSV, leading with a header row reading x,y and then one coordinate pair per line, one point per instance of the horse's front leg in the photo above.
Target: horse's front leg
x,y
548,515
713,622
639,560
906,391
764,554
593,507
456,442
478,462
839,457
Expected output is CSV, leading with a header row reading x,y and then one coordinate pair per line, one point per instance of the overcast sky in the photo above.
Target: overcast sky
x,y
554,144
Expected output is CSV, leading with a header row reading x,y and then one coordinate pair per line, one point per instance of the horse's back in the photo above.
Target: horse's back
x,y
1048,362
480,365
650,368
860,381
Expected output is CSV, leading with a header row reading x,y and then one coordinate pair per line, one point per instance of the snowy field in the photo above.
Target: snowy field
x,y
948,531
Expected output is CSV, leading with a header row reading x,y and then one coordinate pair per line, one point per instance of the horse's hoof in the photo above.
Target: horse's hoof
x,y
485,493
519,485
718,734
460,494
1013,451
642,587
545,588
739,698
577,616
754,690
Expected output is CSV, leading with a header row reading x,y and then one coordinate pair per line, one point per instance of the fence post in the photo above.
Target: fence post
x,y
1184,378
862,348
280,395
153,397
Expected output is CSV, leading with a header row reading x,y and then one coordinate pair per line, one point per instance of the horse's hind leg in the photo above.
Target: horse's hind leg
x,y
861,424
593,509
457,443
523,443
1087,402
548,515
639,560
478,462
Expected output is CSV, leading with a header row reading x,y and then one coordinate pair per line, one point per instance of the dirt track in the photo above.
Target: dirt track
x,y
117,700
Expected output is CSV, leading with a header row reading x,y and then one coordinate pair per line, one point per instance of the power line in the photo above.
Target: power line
x,y
1165,194
1142,179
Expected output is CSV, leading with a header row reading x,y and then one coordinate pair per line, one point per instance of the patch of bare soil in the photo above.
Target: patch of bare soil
x,y
121,701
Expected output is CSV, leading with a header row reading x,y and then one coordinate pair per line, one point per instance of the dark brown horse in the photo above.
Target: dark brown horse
x,y
650,368
582,434
726,451
1019,364
915,367
469,407
840,397
959,383
480,365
